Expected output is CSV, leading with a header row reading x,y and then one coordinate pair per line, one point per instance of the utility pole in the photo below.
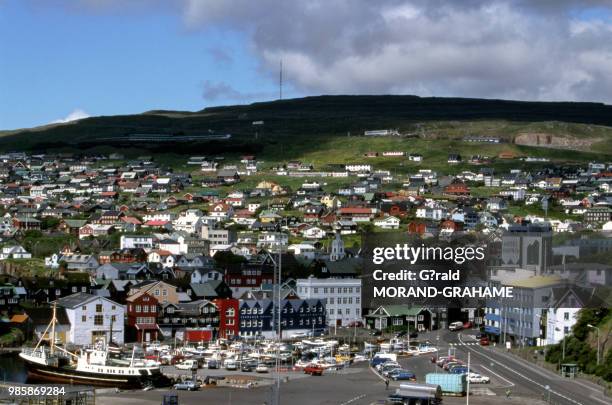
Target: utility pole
x,y
598,345
467,394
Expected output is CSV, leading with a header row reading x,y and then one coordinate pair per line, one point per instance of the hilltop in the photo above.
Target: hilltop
x,y
565,125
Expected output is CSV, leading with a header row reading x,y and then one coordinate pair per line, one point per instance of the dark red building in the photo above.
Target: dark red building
x,y
142,310
457,188
229,320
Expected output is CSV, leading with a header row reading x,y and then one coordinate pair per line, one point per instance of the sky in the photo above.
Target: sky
x,y
62,60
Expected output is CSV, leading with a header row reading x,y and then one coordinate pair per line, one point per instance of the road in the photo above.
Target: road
x,y
519,376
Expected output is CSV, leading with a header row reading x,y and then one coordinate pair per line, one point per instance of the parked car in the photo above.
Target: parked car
x,y
186,386
484,341
389,371
455,326
230,364
187,365
459,370
313,369
403,375
478,379
467,325
247,368
261,368
355,324
212,364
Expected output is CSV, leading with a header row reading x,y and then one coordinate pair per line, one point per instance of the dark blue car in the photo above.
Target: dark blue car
x,y
459,370
402,375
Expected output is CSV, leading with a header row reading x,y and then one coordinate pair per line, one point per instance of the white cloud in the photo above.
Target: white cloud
x,y
75,115
472,48
536,50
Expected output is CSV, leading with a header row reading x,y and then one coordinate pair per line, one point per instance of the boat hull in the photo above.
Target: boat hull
x,y
65,375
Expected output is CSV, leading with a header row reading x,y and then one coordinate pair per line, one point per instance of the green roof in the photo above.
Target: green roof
x,y
401,310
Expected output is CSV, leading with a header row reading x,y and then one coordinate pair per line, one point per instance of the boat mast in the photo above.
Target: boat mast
x,y
52,345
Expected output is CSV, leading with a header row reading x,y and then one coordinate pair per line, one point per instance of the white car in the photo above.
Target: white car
x,y
478,379
261,368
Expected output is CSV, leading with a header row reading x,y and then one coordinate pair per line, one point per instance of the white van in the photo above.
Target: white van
x,y
187,365
230,364
455,326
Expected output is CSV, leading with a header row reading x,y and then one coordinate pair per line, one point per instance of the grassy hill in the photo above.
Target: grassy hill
x,y
313,121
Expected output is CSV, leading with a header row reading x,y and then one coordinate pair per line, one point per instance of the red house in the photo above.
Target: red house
x,y
142,310
417,228
229,322
457,188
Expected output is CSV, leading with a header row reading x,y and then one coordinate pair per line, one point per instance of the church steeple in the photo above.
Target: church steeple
x,y
337,249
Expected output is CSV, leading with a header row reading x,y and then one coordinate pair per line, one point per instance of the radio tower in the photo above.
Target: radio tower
x,y
280,81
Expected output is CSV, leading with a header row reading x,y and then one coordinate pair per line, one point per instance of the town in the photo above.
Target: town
x,y
133,252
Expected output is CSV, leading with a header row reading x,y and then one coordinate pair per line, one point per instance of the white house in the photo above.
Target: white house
x,y
93,318
204,275
272,240
189,221
136,241
305,250
389,222
358,167
313,232
14,252
341,295
559,323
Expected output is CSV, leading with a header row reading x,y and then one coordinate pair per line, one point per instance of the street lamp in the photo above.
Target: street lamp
x,y
564,338
598,349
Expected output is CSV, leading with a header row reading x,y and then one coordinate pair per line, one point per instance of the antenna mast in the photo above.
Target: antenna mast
x,y
280,81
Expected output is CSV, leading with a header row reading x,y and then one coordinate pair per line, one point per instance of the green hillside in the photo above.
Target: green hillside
x,y
312,120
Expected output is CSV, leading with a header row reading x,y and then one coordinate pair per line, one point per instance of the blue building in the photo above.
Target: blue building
x,y
296,315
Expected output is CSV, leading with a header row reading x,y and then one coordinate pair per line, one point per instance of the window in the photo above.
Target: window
x,y
83,318
138,308
113,307
164,293
156,292
98,307
113,318
316,290
229,312
152,308
566,316
84,308
99,320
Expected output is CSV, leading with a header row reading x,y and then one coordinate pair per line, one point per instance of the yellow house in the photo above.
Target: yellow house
x,y
164,293
331,201
275,188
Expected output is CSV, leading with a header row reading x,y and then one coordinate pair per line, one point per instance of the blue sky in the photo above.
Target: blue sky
x,y
61,59
54,61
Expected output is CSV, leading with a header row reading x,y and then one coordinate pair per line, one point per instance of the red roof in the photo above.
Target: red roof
x,y
131,220
156,222
355,210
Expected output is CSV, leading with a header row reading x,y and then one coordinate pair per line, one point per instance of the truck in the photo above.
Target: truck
x,y
412,393
450,384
